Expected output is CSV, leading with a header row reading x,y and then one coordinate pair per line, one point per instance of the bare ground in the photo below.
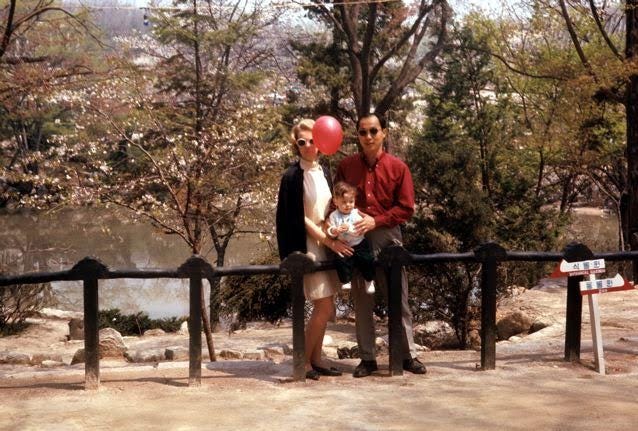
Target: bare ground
x,y
531,388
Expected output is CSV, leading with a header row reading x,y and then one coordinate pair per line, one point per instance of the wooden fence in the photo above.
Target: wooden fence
x,y
489,256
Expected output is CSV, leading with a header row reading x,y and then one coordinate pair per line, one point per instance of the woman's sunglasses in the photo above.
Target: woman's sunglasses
x,y
373,132
302,142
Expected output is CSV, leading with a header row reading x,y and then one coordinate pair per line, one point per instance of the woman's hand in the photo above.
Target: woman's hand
x,y
339,247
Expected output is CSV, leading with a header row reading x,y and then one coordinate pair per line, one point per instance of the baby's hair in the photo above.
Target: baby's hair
x,y
341,188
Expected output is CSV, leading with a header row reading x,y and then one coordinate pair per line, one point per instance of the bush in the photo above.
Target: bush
x,y
136,324
257,297
20,301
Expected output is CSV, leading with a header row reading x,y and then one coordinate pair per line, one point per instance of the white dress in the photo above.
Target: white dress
x,y
316,203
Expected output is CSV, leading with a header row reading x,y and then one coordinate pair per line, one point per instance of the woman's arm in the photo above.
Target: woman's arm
x,y
317,233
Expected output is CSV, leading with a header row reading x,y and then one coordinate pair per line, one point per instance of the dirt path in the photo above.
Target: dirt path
x,y
532,388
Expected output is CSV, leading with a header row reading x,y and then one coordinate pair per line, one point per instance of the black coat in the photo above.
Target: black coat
x,y
291,227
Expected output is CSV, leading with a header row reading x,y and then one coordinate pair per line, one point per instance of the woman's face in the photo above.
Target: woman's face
x,y
308,151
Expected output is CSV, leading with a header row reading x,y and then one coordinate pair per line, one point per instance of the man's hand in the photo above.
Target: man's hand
x,y
366,224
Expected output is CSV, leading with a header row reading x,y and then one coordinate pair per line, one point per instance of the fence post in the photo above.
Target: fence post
x,y
489,255
195,268
297,264
393,259
90,270
574,252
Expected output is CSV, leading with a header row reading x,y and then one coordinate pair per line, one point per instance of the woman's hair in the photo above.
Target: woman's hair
x,y
341,188
303,124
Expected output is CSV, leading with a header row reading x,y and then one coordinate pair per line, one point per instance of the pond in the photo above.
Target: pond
x,y
53,241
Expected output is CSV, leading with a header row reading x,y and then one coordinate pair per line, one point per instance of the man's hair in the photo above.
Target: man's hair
x,y
341,188
381,118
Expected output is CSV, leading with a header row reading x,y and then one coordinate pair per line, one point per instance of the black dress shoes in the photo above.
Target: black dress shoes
x,y
365,368
332,371
414,366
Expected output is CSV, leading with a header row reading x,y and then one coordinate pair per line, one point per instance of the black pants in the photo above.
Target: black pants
x,y
362,259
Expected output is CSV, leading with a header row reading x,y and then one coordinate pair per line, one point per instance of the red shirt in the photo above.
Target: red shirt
x,y
384,191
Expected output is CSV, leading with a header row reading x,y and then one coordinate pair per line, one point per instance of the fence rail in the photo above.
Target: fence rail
x,y
490,255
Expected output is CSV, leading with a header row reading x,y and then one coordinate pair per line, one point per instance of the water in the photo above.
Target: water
x,y
37,241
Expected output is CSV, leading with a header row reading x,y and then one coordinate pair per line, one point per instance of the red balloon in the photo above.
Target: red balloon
x,y
327,134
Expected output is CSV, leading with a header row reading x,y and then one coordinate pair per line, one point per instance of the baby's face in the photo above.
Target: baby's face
x,y
345,203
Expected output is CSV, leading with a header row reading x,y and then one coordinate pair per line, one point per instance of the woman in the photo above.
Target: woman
x,y
302,206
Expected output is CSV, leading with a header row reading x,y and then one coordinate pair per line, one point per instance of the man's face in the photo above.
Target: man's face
x,y
371,136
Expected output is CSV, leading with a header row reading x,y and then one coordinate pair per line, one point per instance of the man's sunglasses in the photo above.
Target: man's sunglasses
x,y
302,142
373,132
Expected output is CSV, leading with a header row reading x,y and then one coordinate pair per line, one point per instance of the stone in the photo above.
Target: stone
x,y
474,339
15,358
274,353
541,322
254,355
154,332
51,364
230,354
38,358
177,353
347,349
513,323
141,356
78,357
330,352
111,343
76,329
381,342
328,341
183,328
515,338
436,334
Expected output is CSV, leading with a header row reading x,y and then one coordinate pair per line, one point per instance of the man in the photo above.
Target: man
x,y
385,197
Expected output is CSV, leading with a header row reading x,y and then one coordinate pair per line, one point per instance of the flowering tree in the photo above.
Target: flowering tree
x,y
183,135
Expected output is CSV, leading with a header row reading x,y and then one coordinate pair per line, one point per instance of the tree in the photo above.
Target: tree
x,y
474,182
191,145
387,45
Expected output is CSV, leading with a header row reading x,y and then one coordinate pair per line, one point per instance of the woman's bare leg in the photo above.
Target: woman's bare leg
x,y
322,311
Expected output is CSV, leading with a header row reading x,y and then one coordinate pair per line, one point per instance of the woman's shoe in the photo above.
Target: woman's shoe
x,y
312,374
332,371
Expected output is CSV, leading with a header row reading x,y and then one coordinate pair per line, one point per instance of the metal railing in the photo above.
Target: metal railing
x,y
393,259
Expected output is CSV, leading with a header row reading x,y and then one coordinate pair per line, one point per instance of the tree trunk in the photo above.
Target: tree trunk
x,y
631,54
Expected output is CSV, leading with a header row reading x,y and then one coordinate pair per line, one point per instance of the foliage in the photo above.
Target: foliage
x,y
136,324
256,297
475,183
20,301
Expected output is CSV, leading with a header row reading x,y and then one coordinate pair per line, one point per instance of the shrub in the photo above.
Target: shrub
x,y
136,324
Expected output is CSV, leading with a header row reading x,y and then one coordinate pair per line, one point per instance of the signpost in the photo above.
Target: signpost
x,y
591,288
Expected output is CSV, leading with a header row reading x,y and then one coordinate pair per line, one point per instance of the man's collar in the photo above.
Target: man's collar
x,y
365,159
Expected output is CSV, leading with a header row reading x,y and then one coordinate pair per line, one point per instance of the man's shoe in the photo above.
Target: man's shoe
x,y
414,366
365,368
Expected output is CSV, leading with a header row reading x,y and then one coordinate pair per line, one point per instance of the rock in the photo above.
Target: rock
x,y
436,334
154,332
51,364
254,355
331,352
274,353
328,341
347,349
38,358
420,348
381,343
474,339
230,354
541,322
515,339
15,358
76,329
140,356
513,323
177,353
78,357
111,343
183,329
53,313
